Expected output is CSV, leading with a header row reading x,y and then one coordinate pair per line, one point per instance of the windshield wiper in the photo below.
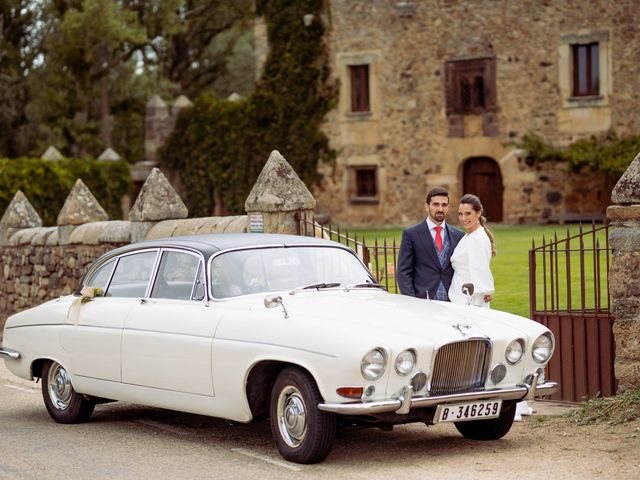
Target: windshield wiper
x,y
364,285
317,286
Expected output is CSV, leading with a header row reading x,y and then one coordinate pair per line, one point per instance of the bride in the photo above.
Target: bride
x,y
470,259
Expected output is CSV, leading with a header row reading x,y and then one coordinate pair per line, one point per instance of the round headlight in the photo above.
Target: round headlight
x,y
515,350
542,348
405,362
374,364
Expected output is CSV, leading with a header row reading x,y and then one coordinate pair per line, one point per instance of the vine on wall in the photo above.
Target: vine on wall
x,y
607,152
220,146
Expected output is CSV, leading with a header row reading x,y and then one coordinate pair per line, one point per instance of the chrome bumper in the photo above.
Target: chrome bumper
x,y
7,352
406,402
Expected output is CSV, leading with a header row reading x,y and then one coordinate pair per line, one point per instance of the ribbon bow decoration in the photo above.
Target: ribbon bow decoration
x,y
86,295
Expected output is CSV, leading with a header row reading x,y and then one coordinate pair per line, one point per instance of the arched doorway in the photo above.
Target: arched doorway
x,y
482,177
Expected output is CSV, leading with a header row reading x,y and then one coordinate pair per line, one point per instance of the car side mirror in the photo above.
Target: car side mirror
x,y
272,301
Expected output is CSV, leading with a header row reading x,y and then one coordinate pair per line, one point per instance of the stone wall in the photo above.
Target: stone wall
x,y
408,134
41,263
32,274
624,280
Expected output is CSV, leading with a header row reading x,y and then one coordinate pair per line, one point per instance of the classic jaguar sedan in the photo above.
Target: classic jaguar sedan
x,y
244,326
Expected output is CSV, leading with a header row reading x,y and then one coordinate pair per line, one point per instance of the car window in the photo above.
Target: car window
x,y
132,275
272,269
176,276
100,278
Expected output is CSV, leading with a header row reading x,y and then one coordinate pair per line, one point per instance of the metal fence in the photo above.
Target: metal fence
x,y
568,284
379,255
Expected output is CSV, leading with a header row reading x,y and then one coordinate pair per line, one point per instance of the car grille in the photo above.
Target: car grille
x,y
460,367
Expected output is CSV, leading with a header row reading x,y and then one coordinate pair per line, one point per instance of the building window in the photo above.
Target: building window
x,y
470,86
586,70
359,75
364,184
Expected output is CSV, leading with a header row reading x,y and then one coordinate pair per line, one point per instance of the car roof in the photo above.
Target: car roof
x,y
209,244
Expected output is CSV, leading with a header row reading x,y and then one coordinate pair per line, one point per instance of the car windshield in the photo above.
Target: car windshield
x,y
259,270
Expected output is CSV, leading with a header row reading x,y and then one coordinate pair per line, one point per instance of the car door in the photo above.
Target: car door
x,y
167,338
93,344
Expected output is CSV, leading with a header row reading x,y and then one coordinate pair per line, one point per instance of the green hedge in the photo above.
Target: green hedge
x,y
47,184
220,147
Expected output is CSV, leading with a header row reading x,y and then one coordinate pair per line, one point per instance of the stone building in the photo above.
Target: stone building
x,y
438,92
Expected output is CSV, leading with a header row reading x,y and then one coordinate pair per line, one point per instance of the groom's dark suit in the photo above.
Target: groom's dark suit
x,y
419,269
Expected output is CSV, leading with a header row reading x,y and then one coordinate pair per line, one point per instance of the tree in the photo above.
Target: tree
x,y
18,50
103,59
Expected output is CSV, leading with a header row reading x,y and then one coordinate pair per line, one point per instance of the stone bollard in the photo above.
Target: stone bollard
x,y
156,201
624,281
19,215
276,197
79,208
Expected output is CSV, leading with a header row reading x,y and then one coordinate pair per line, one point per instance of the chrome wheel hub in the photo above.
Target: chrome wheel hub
x,y
60,389
292,416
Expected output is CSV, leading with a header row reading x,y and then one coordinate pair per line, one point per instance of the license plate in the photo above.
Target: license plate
x,y
462,412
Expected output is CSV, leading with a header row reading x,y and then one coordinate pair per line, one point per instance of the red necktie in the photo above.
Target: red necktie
x,y
438,237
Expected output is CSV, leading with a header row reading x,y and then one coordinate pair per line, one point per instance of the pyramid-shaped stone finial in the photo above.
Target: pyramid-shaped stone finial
x,y
109,155
279,189
52,154
18,215
81,207
157,200
181,102
627,190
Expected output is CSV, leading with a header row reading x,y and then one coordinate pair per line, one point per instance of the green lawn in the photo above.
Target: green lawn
x,y
511,265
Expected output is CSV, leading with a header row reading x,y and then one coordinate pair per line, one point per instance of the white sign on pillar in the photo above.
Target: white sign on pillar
x,y
256,223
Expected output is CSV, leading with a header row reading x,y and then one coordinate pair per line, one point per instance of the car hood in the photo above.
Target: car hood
x,y
377,316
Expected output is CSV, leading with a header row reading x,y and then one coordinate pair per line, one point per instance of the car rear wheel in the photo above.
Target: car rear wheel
x,y
489,429
63,403
302,433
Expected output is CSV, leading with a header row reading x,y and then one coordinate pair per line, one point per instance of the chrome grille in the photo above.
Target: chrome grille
x,y
460,367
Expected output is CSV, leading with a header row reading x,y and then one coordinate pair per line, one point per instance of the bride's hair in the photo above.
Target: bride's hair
x,y
476,204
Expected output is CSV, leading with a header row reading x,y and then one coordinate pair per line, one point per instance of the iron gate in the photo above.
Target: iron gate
x,y
568,283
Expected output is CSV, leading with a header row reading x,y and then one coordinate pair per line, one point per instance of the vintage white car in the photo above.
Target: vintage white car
x,y
243,326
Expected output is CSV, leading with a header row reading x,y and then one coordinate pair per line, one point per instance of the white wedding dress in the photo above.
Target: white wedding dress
x,y
470,261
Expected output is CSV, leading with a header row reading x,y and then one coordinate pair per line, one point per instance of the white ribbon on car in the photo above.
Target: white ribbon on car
x,y
86,295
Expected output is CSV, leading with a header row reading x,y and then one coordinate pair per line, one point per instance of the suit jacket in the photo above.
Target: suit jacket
x,y
419,269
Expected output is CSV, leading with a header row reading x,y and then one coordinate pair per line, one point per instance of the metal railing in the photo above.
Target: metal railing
x,y
379,255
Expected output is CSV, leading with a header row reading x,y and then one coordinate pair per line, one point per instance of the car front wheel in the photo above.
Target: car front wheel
x,y
302,433
489,429
63,403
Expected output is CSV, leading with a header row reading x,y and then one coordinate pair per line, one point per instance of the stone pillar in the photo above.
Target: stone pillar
x,y
19,214
276,197
79,208
624,281
155,125
157,201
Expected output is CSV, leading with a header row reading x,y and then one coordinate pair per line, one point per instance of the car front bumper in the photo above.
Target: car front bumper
x,y
406,402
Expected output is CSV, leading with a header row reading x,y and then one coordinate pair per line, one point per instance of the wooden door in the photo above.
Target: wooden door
x,y
482,177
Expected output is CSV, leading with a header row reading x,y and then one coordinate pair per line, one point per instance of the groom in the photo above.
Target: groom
x,y
424,267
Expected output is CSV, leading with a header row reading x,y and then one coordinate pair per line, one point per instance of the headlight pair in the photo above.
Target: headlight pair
x,y
374,363
540,351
